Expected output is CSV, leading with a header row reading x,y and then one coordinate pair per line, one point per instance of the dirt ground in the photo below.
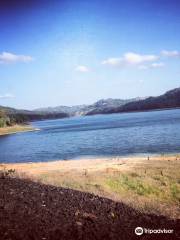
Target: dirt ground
x,y
149,184
33,211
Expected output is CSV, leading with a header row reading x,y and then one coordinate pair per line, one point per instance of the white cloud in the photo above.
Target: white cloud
x,y
7,57
130,59
112,61
152,65
134,58
7,95
173,53
82,68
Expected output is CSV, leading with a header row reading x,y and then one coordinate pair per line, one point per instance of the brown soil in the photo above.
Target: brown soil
x,y
33,211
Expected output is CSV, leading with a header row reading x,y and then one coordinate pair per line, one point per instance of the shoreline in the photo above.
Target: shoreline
x,y
143,156
17,129
92,161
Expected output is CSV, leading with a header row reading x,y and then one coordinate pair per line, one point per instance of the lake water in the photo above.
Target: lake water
x,y
101,135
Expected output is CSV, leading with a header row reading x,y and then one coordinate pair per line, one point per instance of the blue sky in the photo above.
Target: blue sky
x,y
75,52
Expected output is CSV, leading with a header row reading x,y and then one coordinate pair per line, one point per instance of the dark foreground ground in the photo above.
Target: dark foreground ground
x,y
31,211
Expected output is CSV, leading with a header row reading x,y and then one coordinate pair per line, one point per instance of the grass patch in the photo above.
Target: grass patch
x,y
175,192
128,183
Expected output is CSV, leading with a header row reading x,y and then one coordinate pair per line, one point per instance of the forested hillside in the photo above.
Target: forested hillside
x,y
11,116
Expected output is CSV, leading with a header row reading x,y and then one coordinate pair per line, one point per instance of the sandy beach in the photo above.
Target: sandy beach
x,y
94,164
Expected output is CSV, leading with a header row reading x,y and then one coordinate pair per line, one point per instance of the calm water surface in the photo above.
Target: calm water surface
x,y
101,135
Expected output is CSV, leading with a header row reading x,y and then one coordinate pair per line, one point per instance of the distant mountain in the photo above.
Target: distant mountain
x,y
170,99
105,105
70,110
97,107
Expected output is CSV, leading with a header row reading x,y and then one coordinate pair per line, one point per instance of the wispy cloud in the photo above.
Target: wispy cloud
x,y
82,69
130,59
7,57
157,65
7,95
152,65
174,53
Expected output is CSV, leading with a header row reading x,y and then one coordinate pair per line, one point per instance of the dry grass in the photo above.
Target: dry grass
x,y
150,185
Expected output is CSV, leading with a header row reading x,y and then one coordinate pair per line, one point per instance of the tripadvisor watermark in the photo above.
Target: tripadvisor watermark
x,y
139,231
